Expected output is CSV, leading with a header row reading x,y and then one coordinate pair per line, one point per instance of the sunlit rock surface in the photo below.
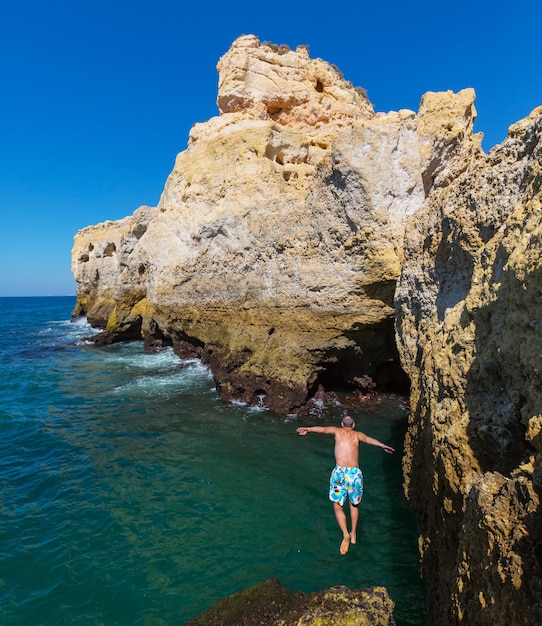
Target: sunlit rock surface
x,y
270,604
275,248
469,328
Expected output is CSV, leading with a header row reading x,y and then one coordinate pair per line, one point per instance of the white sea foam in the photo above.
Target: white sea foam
x,y
84,342
318,407
134,356
78,321
257,408
237,403
261,406
165,374
72,332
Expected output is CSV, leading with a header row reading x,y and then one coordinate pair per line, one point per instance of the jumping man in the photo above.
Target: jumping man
x,y
346,478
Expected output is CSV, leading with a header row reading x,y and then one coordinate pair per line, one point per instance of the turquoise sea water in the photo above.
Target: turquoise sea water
x,y
131,495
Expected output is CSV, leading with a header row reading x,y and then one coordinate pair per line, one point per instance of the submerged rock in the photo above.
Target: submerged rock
x,y
270,604
276,245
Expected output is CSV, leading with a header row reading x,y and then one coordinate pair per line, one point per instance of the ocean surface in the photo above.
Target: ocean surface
x,y
130,494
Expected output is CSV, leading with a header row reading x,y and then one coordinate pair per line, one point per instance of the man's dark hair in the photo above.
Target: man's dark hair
x,y
347,421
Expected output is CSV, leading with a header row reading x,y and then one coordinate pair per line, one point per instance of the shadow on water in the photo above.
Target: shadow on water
x,y
410,597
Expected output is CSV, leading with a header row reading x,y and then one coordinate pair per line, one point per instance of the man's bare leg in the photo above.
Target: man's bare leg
x,y
341,520
354,515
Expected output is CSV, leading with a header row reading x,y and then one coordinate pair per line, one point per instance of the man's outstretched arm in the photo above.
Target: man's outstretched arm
x,y
374,442
324,430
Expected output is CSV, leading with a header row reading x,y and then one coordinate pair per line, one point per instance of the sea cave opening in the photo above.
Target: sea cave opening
x,y
347,373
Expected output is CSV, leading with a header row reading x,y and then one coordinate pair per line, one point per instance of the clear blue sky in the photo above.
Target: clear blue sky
x,y
97,98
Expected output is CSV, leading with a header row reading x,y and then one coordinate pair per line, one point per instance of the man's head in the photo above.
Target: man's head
x,y
347,422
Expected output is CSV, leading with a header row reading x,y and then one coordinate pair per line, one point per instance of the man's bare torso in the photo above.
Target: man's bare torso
x,y
346,447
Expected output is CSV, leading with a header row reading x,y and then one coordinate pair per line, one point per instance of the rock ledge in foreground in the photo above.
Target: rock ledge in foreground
x,y
271,604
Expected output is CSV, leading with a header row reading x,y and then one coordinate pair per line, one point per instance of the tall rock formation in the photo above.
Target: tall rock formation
x,y
275,248
469,328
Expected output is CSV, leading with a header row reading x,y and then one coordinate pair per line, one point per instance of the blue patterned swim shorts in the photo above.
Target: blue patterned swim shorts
x,y
346,481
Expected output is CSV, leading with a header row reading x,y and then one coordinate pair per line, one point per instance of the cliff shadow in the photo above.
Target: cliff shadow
x,y
503,380
369,365
454,278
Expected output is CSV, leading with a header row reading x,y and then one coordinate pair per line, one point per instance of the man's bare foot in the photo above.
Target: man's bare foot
x,y
352,538
345,544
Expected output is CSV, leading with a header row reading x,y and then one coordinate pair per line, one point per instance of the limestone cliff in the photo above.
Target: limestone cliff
x,y
469,328
275,248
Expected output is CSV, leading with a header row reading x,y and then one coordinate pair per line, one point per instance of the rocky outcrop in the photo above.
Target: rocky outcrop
x,y
276,245
469,329
270,604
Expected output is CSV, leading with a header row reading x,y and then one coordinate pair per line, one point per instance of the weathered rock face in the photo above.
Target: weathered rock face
x,y
271,81
275,248
270,604
469,327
